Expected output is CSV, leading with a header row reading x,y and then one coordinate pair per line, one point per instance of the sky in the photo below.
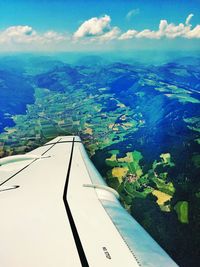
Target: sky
x,y
62,25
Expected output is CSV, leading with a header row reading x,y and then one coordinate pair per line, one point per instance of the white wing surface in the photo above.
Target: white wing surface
x,y
57,211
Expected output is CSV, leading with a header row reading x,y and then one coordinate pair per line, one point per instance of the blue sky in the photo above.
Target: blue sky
x,y
98,25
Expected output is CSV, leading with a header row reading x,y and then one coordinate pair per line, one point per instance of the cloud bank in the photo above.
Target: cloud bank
x,y
96,29
100,29
166,30
26,34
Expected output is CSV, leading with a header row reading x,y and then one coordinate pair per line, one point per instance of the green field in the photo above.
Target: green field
x,y
181,209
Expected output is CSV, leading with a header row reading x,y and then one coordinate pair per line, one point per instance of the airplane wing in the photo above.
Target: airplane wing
x,y
56,210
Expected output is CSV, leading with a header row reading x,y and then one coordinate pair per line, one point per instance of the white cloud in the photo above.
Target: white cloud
x,y
194,33
128,35
54,36
97,29
17,34
167,30
93,27
147,34
132,13
110,35
187,22
25,38
26,35
19,30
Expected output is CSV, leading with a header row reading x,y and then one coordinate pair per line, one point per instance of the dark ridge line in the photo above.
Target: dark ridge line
x,y
27,165
62,142
9,188
51,147
77,240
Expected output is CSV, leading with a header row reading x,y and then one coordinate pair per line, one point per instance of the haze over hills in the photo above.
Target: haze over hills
x,y
139,122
